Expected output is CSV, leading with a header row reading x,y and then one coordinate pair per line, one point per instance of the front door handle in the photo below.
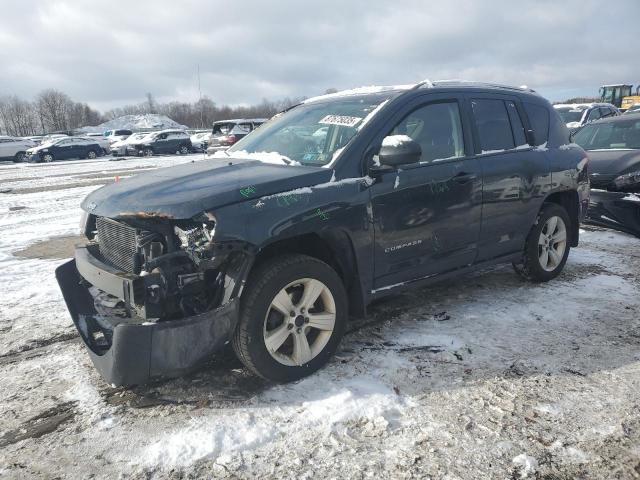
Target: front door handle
x,y
464,177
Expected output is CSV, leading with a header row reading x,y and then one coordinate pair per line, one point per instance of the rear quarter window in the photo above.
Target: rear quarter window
x,y
539,121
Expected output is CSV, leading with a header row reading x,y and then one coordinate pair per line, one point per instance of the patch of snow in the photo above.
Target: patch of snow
x,y
489,152
266,157
634,197
569,146
397,182
396,140
427,83
324,406
136,122
541,147
526,464
358,91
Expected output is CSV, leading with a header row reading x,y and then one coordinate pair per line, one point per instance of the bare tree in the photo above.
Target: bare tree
x,y
17,117
54,109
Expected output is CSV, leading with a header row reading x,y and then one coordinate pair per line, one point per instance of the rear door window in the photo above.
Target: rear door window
x,y
494,128
539,121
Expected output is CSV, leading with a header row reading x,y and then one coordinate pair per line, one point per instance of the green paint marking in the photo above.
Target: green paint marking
x,y
247,191
286,200
322,215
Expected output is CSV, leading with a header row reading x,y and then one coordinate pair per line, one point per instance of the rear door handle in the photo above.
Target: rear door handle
x,y
464,177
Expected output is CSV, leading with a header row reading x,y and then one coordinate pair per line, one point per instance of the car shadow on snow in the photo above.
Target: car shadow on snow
x,y
482,326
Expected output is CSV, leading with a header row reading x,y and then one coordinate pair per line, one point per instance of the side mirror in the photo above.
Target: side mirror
x,y
399,150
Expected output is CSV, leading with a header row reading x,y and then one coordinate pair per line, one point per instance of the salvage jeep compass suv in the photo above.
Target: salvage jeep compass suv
x,y
339,201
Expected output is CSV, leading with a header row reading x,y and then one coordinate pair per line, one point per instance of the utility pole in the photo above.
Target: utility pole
x,y
200,100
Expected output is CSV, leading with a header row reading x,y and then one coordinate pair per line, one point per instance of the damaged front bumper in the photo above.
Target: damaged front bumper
x,y
617,210
131,347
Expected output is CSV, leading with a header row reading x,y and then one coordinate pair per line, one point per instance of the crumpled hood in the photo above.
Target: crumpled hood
x,y
613,162
183,191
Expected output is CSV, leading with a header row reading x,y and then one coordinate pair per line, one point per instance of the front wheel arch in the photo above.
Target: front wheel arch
x,y
333,247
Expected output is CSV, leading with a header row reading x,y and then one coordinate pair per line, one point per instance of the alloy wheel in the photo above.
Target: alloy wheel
x,y
552,243
299,322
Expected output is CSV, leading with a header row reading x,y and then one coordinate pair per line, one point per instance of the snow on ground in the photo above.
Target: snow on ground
x,y
485,376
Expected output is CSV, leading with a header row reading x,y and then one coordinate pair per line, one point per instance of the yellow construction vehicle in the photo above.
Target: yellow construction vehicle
x,y
631,100
615,93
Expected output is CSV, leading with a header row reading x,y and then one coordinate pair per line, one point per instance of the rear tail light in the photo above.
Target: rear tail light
x,y
228,140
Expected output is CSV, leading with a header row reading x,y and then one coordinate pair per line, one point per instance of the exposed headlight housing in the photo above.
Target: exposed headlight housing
x,y
628,180
195,237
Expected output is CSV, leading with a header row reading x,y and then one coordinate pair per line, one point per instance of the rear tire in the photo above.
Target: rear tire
x,y
547,246
92,155
301,340
183,150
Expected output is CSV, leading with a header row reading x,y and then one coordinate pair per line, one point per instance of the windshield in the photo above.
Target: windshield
x,y
569,115
609,136
310,134
222,128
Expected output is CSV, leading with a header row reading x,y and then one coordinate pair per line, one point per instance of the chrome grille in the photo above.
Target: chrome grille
x,y
117,243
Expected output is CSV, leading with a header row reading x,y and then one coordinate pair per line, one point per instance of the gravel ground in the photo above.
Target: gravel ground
x,y
484,376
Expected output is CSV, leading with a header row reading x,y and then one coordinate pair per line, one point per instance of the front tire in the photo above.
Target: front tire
x,y
292,317
547,246
147,152
20,157
47,157
183,150
92,155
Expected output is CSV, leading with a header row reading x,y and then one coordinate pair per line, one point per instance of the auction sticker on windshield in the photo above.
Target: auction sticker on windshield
x,y
341,120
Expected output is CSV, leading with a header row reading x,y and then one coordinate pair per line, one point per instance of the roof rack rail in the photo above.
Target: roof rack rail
x,y
484,84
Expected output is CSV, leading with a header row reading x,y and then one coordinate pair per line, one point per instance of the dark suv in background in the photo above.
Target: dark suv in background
x,y
384,189
162,142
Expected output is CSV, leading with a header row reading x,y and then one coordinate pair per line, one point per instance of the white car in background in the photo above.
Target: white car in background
x,y
14,148
116,135
200,140
119,148
577,115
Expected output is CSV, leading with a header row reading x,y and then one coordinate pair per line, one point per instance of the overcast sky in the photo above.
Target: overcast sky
x,y
112,52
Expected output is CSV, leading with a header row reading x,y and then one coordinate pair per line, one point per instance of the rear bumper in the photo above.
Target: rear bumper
x,y
217,148
130,350
617,210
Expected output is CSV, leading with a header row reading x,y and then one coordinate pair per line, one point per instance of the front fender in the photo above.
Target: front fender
x,y
336,212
